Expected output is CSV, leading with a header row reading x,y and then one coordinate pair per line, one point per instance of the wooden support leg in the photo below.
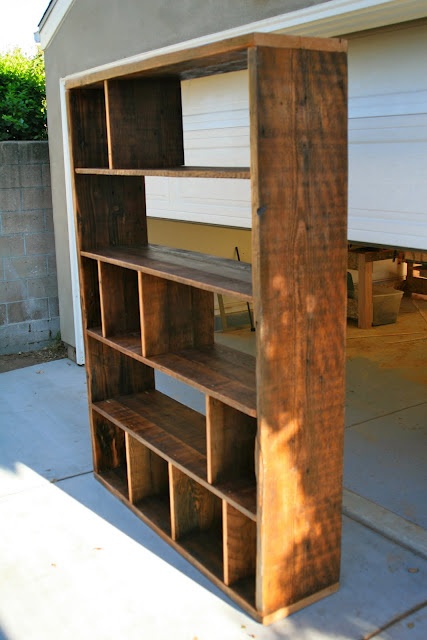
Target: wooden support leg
x,y
365,304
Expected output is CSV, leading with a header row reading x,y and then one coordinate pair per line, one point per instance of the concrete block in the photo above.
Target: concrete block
x,y
25,267
3,314
11,246
30,309
13,291
40,243
10,200
30,175
51,265
33,152
36,198
46,175
9,176
46,287
9,153
48,220
54,307
27,336
21,222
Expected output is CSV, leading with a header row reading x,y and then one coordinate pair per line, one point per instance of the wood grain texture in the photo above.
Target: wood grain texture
x,y
194,509
110,211
109,452
217,57
119,300
110,373
239,545
147,472
145,123
86,109
222,372
299,173
90,294
187,171
219,275
174,316
230,442
170,429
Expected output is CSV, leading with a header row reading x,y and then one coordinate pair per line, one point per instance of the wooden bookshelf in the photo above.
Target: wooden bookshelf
x,y
249,492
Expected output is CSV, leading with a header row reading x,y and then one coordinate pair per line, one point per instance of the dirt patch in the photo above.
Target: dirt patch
x,y
27,359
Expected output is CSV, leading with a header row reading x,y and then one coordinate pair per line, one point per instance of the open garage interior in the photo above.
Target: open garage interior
x,y
385,472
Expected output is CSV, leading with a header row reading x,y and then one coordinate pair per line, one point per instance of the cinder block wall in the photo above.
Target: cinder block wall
x,y
29,313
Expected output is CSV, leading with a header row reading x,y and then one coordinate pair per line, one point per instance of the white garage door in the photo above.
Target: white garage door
x,y
387,144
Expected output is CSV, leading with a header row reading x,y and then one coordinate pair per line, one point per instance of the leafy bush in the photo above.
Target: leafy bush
x,y
22,96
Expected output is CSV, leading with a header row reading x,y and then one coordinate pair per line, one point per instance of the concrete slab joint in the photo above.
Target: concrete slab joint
x,y
29,289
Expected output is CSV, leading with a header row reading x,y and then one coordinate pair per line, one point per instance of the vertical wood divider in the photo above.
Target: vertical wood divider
x,y
108,123
137,462
239,547
230,442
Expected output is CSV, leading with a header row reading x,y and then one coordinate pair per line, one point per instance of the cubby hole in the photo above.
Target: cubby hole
x,y
112,374
197,521
231,437
110,211
89,127
119,301
174,316
240,543
145,122
91,293
110,453
148,483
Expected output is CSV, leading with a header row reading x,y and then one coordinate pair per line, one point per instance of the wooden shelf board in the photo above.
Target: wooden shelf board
x,y
209,59
241,494
217,370
236,173
178,435
220,275
170,429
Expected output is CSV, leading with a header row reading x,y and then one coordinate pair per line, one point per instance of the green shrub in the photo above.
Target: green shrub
x,y
22,96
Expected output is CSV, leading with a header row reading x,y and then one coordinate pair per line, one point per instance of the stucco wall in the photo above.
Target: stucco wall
x,y
29,317
98,32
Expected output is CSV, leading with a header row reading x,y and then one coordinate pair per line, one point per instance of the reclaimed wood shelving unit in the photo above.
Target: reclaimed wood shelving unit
x,y
251,492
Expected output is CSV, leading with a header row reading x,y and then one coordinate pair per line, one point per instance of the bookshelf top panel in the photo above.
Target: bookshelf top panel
x,y
199,61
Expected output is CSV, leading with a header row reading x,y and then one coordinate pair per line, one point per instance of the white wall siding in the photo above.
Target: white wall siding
x,y
387,144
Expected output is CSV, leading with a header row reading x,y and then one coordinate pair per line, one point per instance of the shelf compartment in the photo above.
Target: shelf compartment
x,y
240,535
111,373
89,128
184,171
110,211
148,479
230,443
219,275
196,519
110,454
91,294
169,428
174,316
119,300
144,122
217,370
